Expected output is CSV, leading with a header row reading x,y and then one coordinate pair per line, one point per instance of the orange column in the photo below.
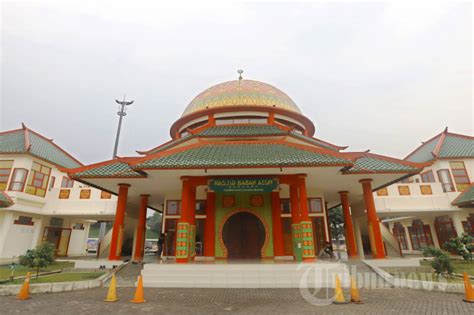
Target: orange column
x,y
306,223
209,226
141,228
349,228
294,203
376,242
186,237
278,247
117,231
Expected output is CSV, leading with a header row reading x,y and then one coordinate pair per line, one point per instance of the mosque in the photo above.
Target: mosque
x,y
245,177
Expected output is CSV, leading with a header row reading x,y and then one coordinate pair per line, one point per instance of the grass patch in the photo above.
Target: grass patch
x,y
459,266
62,277
5,271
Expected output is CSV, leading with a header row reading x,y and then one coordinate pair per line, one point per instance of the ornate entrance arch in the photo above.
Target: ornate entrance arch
x,y
258,217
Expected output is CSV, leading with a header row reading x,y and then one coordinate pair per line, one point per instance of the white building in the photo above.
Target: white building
x,y
47,205
436,204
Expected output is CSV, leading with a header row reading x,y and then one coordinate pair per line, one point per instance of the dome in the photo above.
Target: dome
x,y
241,93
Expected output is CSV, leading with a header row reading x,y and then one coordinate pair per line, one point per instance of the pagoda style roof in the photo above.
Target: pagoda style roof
x,y
5,200
241,154
116,168
366,163
465,198
27,141
443,145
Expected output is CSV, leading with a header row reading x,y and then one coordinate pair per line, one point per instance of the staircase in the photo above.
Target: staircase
x,y
392,246
252,275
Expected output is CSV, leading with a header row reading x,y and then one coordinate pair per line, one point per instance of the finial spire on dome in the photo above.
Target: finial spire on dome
x,y
240,71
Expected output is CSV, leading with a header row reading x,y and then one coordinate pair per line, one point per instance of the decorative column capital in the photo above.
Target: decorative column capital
x,y
144,195
343,192
124,185
365,180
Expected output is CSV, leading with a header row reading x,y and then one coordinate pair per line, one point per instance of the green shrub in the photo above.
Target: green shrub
x,y
40,257
441,262
461,245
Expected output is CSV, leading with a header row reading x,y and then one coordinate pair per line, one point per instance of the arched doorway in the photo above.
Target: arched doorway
x,y
243,235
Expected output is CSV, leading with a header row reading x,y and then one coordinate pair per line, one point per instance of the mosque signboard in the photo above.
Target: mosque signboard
x,y
243,184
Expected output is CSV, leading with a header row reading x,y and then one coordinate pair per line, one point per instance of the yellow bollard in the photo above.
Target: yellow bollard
x,y
468,290
24,293
355,296
139,295
339,294
112,293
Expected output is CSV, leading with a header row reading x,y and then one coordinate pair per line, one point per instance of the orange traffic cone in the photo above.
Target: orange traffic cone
x,y
355,297
139,296
468,289
112,293
338,294
24,293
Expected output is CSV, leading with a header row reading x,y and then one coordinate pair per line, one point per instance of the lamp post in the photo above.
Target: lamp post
x,y
121,113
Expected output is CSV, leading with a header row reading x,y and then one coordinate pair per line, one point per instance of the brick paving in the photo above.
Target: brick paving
x,y
239,301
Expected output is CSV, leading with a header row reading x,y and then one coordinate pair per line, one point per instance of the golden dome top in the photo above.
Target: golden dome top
x,y
241,93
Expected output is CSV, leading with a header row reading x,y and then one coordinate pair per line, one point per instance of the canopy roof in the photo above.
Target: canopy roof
x,y
466,198
27,141
443,145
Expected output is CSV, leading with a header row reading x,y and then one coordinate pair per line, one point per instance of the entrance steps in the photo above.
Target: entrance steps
x,y
252,275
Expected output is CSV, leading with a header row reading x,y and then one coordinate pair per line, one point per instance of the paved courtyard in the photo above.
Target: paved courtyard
x,y
240,301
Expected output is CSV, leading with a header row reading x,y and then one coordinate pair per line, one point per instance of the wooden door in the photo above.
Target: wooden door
x,y
243,235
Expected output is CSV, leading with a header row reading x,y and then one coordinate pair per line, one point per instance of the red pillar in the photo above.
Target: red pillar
x,y
349,228
278,246
186,230
294,203
376,242
141,229
209,225
306,223
117,231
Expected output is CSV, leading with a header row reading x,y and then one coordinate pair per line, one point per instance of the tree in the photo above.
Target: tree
x,y
154,224
461,245
40,257
336,223
441,261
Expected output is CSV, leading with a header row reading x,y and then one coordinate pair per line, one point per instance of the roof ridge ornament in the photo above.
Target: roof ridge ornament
x,y
240,71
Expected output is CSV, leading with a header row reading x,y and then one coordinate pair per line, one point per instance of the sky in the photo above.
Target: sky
x,y
378,76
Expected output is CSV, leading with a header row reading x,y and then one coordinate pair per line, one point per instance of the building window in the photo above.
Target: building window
x,y
173,207
200,207
315,205
285,206
38,180
67,183
427,177
51,183
420,235
460,175
5,170
407,180
399,233
18,179
468,225
445,180
444,229
78,226
58,222
24,221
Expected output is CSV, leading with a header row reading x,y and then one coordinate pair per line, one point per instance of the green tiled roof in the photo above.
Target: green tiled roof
x,y
48,151
5,200
117,169
451,146
455,146
374,164
255,130
242,155
466,198
312,140
14,142
170,144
